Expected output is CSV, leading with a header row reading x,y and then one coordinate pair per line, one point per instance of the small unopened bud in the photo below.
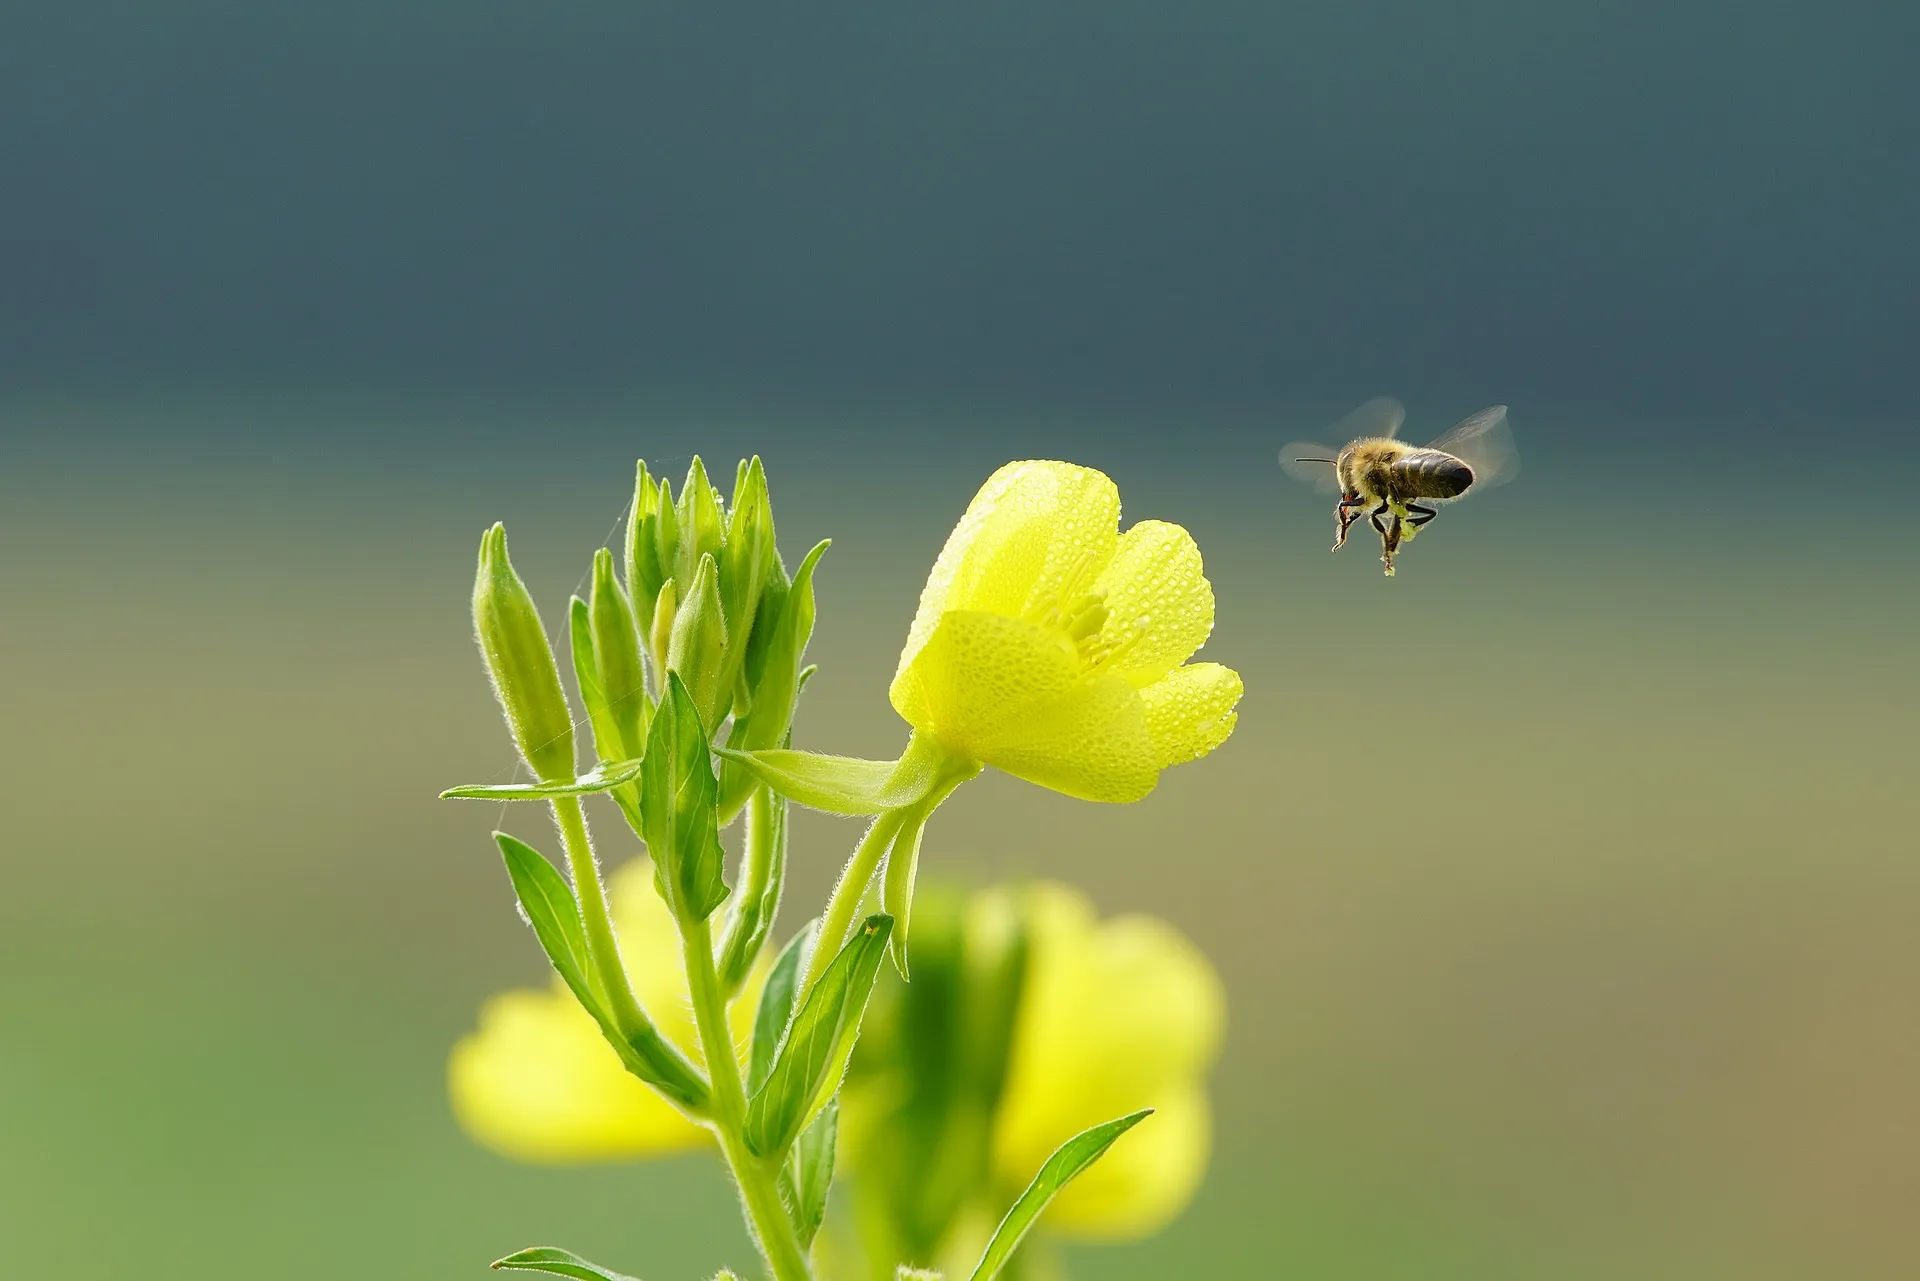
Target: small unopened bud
x,y
520,661
660,630
616,649
747,560
702,528
644,574
697,649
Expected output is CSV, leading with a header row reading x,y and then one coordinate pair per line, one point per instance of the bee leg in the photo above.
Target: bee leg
x,y
1345,513
1420,515
1389,535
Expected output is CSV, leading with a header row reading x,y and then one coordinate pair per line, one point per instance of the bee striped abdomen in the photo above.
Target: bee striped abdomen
x,y
1429,473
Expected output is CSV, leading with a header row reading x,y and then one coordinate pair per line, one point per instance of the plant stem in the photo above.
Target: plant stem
x,y
847,893
601,944
772,1227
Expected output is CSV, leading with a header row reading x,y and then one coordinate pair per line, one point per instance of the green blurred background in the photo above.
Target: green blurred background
x,y
1563,886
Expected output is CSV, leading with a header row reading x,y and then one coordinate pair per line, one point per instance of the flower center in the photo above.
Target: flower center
x,y
1083,615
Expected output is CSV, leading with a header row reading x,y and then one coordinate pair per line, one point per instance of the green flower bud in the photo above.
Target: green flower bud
x,y
746,560
666,538
702,528
660,630
616,650
697,649
609,744
520,661
644,575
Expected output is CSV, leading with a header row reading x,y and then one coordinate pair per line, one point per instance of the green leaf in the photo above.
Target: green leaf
x,y
677,796
812,1170
806,1072
551,909
1073,1156
601,778
560,1263
776,1004
548,902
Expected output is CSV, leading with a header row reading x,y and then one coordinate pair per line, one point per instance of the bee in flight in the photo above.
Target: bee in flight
x,y
1395,484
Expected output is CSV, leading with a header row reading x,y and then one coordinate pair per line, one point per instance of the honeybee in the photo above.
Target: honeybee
x,y
1397,485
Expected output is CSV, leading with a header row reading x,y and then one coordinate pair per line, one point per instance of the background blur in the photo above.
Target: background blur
x,y
1563,886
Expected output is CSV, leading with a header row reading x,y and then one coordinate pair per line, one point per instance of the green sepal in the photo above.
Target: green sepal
x,y
773,674
677,793
1071,1157
551,909
616,653
560,1263
903,862
851,786
807,1175
601,778
806,1072
609,744
643,572
762,877
703,531
776,1004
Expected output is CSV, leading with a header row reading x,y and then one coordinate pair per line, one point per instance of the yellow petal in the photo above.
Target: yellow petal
x,y
538,1083
1092,743
1190,711
1030,526
1154,582
1118,1016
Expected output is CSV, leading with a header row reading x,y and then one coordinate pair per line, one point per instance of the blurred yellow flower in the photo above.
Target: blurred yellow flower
x,y
537,1082
1116,1015
1050,645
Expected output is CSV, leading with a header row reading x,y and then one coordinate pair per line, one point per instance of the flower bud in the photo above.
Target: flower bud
x,y
697,649
644,574
660,630
702,528
520,661
746,560
616,648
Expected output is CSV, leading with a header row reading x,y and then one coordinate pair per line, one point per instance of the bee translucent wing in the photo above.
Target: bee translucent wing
x,y
1483,442
1301,461
1380,416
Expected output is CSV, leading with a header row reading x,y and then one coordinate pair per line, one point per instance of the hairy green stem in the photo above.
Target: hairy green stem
x,y
837,924
756,1176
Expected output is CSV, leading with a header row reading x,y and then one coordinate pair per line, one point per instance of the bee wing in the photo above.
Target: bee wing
x,y
1380,416
1483,442
1311,464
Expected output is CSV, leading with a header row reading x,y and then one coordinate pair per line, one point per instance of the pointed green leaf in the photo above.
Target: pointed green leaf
x,y
1073,1156
776,1004
806,1072
678,792
560,1263
601,778
812,1166
551,909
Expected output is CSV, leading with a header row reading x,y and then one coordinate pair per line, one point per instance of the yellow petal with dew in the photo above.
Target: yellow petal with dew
x,y
1158,601
1092,743
980,671
1190,711
1031,527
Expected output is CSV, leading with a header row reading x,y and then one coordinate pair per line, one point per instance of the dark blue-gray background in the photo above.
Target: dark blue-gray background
x,y
1654,207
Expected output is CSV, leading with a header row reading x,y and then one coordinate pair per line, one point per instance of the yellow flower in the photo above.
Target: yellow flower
x,y
537,1081
1116,1015
1050,645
